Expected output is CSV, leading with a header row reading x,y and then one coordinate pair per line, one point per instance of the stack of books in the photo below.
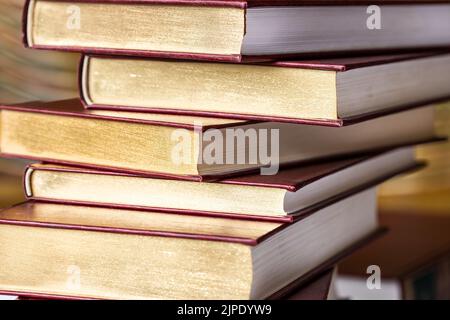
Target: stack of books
x,y
201,162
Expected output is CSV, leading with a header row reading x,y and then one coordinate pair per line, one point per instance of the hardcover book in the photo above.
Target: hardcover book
x,y
192,148
334,91
290,194
234,30
320,287
121,254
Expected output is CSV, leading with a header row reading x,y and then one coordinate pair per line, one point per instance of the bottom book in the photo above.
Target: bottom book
x,y
54,250
320,287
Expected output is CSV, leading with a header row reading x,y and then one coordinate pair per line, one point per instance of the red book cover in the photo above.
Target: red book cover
x,y
290,179
73,108
317,288
27,219
244,5
337,64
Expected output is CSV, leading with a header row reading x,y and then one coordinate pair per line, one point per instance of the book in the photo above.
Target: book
x,y
191,148
106,253
290,194
414,253
234,30
332,91
320,287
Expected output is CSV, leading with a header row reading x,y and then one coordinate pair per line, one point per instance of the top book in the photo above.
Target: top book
x,y
226,30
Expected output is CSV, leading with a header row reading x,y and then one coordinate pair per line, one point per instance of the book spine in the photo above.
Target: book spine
x,y
26,9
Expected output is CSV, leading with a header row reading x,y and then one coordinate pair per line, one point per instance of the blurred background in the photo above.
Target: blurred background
x,y
31,75
414,256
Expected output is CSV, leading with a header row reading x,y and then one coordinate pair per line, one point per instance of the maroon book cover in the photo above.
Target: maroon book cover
x,y
314,289
291,179
209,3
314,285
337,64
27,209
29,218
73,108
